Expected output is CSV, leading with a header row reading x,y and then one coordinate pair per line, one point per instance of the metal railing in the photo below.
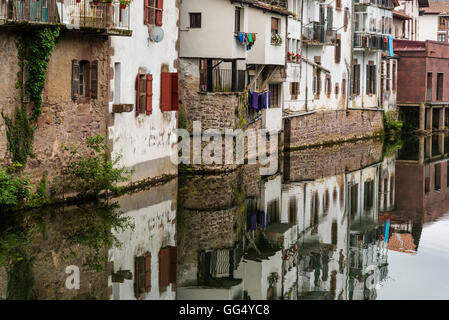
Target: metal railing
x,y
222,81
370,41
388,4
74,13
317,32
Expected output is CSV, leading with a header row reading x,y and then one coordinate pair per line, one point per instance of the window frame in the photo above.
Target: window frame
x,y
195,24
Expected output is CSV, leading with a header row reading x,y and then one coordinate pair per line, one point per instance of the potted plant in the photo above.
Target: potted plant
x,y
125,3
95,2
298,57
289,56
109,2
78,1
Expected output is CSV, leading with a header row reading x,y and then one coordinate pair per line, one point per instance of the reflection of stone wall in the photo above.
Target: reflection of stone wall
x,y
3,283
315,163
331,126
50,264
203,230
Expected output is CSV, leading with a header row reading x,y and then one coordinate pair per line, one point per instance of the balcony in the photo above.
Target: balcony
x,y
386,4
370,41
221,80
318,34
107,18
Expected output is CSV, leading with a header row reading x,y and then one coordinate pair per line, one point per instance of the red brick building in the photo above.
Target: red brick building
x,y
423,89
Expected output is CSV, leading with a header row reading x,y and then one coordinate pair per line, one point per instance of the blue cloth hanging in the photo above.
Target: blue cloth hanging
x,y
241,37
254,100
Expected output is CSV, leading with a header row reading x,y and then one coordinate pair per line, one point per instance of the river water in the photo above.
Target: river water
x,y
353,221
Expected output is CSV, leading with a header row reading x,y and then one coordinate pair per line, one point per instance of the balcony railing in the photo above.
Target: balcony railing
x,y
369,41
73,13
388,4
221,81
318,33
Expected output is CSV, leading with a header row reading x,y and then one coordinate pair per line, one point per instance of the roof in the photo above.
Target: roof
x,y
437,7
276,6
402,242
401,15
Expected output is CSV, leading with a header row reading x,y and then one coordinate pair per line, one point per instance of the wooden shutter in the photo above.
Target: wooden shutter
x,y
146,11
147,272
164,267
173,263
368,78
75,79
330,18
174,92
138,94
373,71
166,91
159,11
94,80
149,94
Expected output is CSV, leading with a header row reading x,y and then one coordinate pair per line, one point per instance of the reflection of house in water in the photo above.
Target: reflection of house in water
x,y
210,231
336,198
145,263
423,167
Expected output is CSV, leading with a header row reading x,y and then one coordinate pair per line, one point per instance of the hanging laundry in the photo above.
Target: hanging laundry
x,y
250,38
254,100
241,37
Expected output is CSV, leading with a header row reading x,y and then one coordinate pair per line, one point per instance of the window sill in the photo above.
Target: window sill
x,y
122,108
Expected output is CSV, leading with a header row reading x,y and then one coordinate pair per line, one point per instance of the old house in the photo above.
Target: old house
x,y
76,91
231,63
144,89
423,99
434,22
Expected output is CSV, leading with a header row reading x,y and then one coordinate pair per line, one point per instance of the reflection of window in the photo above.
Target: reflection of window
x,y
368,195
237,19
391,189
442,37
354,199
326,202
292,210
427,178
314,213
334,233
142,274
273,211
438,176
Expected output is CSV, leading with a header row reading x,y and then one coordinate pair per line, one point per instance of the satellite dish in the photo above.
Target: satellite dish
x,y
157,34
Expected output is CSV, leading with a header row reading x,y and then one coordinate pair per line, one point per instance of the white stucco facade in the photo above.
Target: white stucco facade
x,y
145,142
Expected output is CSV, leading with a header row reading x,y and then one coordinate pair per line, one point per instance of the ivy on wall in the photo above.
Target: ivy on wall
x,y
34,51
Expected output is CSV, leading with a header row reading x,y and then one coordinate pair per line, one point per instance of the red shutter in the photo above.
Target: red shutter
x,y
136,277
138,95
149,104
173,263
166,92
146,16
174,92
164,268
159,11
148,272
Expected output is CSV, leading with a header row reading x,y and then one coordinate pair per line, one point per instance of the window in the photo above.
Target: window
x,y
346,19
237,19
144,97
275,24
195,20
274,95
356,80
343,87
395,80
84,79
338,4
337,89
368,195
142,274
447,173
167,266
317,77
437,169
388,76
370,79
338,49
442,37
440,84
117,82
442,23
294,90
153,10
169,91
330,18
328,88
354,199
429,86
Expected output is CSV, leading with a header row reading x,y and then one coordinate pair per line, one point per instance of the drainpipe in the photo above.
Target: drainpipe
x,y
351,63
